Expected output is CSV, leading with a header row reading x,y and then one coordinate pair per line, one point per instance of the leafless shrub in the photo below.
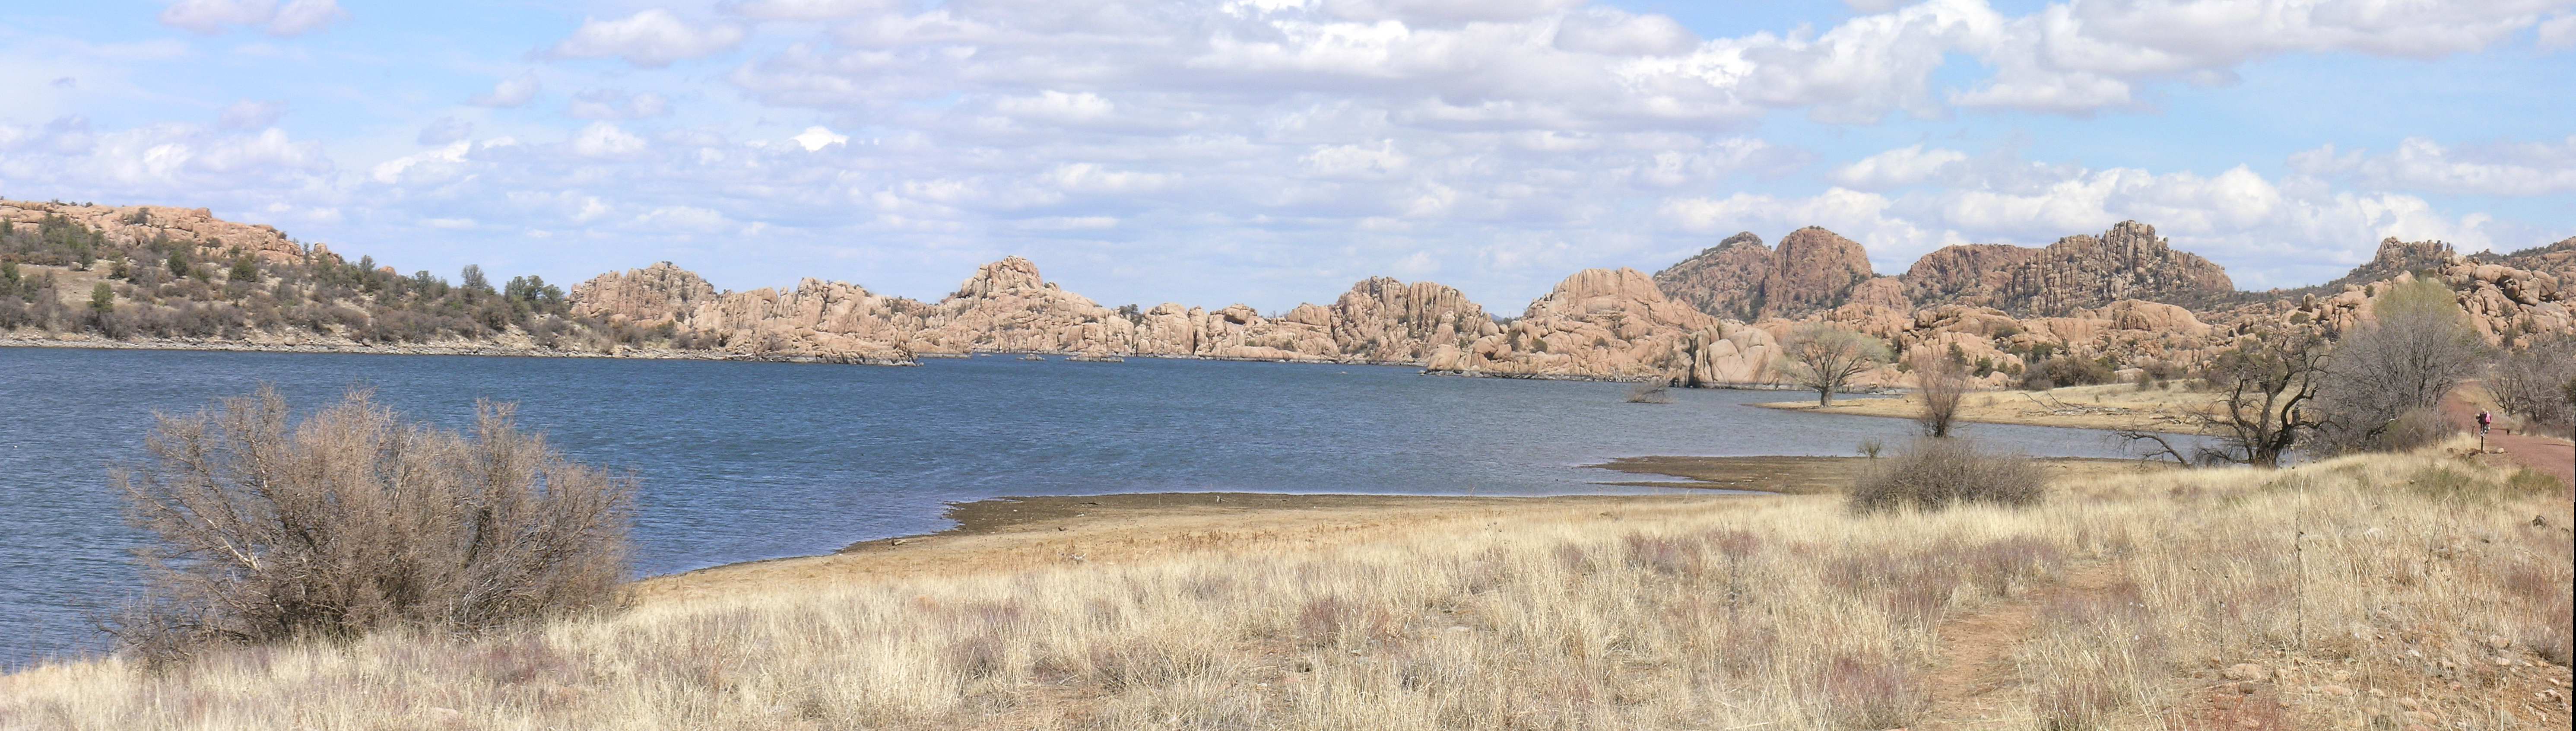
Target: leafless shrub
x,y
1871,448
1932,474
1824,357
2267,385
353,520
2534,382
2415,429
2417,347
1943,384
1650,392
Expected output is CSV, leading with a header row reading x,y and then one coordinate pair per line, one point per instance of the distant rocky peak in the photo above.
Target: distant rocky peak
x,y
1010,274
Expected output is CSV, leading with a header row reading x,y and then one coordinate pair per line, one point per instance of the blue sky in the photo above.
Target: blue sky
x,y
1275,151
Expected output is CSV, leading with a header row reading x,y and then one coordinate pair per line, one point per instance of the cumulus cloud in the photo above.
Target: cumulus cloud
x,y
617,104
295,17
602,139
1897,168
248,114
511,92
817,137
445,130
805,9
2558,33
2418,164
652,38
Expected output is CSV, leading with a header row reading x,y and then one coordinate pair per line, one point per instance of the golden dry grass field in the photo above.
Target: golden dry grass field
x,y
2379,592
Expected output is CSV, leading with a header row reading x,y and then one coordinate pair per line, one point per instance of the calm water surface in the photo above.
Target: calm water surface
x,y
745,461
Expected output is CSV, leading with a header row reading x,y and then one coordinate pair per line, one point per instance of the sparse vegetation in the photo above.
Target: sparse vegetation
x,y
354,521
2133,597
166,288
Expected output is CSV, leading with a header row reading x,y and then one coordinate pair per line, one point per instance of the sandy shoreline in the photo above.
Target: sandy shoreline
x,y
2109,407
1011,534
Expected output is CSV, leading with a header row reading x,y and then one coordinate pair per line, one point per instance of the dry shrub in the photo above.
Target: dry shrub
x,y
1933,474
1871,692
2416,429
1944,384
353,521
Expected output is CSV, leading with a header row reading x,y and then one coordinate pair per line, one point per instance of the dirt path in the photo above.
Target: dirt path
x,y
2550,456
1976,683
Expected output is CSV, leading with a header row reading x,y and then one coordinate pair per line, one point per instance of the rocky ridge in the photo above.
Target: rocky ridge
x,y
1713,319
213,236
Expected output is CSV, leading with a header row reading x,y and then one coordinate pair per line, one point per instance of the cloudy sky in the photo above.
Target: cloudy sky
x,y
1274,151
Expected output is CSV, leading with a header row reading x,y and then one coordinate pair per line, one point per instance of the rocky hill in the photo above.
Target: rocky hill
x,y
2124,299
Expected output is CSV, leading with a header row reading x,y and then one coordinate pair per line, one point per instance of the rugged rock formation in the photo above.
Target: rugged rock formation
x,y
1723,280
1964,273
1814,269
651,296
2127,262
1605,323
213,236
1713,319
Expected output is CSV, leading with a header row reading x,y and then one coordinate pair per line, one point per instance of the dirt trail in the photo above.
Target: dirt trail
x,y
1976,682
2550,456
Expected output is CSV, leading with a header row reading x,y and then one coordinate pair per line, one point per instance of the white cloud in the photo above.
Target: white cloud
x,y
248,114
1897,168
514,91
445,130
805,9
296,17
617,104
816,138
651,38
602,139
2557,33
2418,164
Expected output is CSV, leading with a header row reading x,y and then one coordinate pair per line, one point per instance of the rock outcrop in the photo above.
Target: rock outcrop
x,y
1723,280
2127,262
651,296
1814,269
213,236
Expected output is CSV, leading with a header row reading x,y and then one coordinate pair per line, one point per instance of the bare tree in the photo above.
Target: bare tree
x,y
2530,383
1943,384
2416,347
1825,357
353,520
2268,383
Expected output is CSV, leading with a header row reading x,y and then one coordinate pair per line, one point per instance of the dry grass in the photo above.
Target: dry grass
x,y
2367,588
2106,406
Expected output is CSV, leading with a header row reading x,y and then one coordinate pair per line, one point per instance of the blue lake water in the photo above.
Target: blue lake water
x,y
745,461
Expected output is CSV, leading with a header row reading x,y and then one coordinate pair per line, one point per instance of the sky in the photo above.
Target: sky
x,y
1271,152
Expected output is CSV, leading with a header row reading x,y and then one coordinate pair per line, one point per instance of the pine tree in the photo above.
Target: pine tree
x,y
102,299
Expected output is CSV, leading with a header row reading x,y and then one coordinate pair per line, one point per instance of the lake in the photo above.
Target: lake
x,y
745,461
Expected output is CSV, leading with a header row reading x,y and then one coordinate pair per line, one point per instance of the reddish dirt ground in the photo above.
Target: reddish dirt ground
x,y
2548,455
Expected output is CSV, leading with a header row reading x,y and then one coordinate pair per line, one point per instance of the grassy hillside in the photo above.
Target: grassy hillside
x,y
2368,592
